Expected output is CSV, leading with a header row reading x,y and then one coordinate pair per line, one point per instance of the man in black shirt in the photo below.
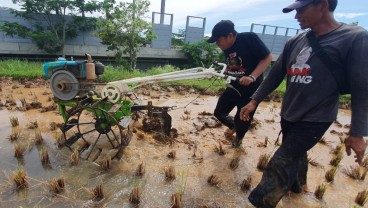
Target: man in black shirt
x,y
246,57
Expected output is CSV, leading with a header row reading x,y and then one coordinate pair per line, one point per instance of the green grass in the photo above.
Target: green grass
x,y
27,69
21,69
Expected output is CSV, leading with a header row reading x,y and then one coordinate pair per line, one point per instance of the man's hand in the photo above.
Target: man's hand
x,y
250,107
245,80
358,144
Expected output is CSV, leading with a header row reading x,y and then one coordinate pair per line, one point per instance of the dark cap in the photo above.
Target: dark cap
x,y
221,29
296,5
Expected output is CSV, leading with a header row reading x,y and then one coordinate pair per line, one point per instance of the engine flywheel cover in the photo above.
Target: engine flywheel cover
x,y
64,85
112,93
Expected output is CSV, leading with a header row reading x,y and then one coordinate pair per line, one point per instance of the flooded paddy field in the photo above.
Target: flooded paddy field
x,y
195,168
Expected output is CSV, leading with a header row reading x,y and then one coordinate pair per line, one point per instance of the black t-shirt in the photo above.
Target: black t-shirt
x,y
243,57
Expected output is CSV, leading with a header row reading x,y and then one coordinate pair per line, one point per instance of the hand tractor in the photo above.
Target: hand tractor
x,y
99,120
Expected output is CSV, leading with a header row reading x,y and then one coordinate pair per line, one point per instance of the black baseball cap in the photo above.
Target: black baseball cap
x,y
221,29
296,5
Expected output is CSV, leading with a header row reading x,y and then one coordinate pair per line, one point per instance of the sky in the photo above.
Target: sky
x,y
242,12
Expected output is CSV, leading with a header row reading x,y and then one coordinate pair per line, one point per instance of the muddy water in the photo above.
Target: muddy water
x,y
196,160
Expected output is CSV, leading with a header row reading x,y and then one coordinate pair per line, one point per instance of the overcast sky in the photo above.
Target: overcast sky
x,y
243,12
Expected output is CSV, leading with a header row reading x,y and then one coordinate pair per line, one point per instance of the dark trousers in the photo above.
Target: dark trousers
x,y
225,104
288,167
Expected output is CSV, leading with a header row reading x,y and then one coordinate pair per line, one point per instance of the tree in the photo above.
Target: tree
x,y
51,25
200,53
124,29
355,23
177,39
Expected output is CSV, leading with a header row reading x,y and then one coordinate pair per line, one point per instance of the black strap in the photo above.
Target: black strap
x,y
336,69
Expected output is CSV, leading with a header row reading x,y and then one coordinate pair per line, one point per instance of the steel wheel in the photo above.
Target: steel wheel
x,y
100,132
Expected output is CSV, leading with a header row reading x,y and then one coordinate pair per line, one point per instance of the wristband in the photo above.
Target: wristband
x,y
251,76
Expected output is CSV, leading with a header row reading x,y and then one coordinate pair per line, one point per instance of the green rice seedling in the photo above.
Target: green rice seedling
x,y
23,102
44,156
14,136
185,116
264,144
170,173
57,186
323,141
53,126
365,162
364,174
19,177
356,172
338,149
330,174
220,149
213,180
246,184
263,161
194,151
60,139
335,161
338,124
188,112
98,193
183,180
74,158
14,121
362,198
234,164
105,164
32,125
177,200
19,150
313,162
172,154
320,191
135,195
38,137
140,170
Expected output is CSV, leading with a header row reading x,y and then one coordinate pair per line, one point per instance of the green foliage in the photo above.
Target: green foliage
x,y
124,28
200,53
355,23
51,25
177,39
20,69
119,73
14,29
47,41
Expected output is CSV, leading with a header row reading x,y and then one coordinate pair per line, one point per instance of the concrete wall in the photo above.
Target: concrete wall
x,y
80,50
84,38
274,37
194,33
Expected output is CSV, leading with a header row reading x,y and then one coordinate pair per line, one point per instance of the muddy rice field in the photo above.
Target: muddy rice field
x,y
196,167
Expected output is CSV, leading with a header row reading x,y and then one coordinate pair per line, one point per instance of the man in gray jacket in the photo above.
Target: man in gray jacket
x,y
310,103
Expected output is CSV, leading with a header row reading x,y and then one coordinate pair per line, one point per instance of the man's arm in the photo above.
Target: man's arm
x,y
260,68
272,81
358,68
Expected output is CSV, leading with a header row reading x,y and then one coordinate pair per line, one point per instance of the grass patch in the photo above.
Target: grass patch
x,y
21,69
